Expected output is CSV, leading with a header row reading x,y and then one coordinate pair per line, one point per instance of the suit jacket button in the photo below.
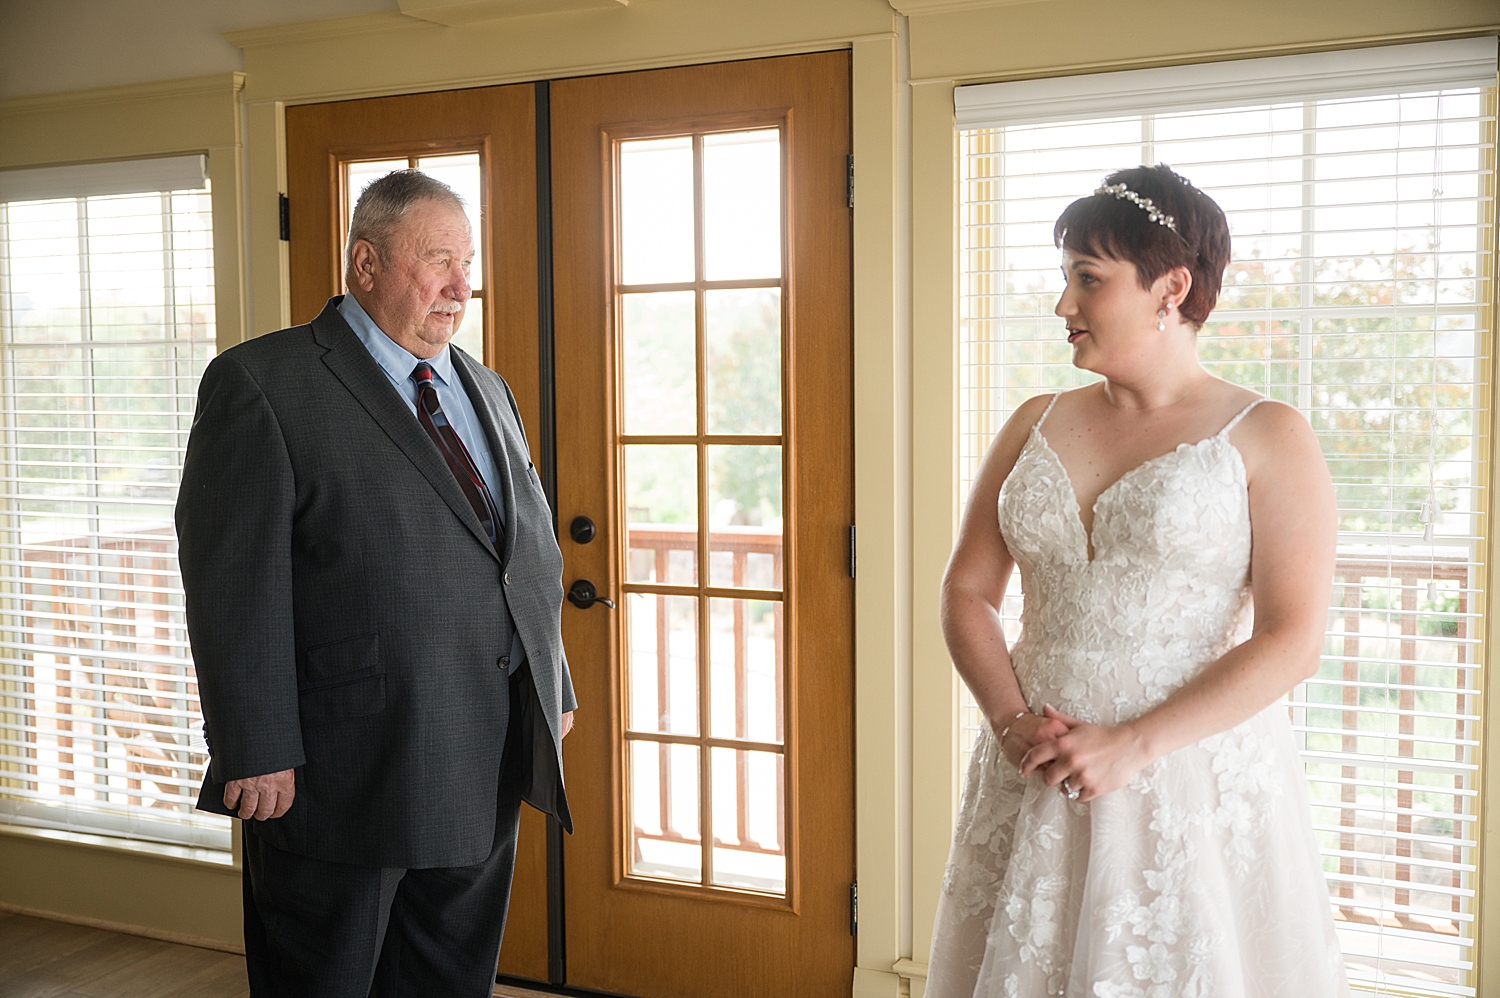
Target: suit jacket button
x,y
507,578
504,662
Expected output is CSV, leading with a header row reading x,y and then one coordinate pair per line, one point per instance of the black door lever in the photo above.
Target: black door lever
x,y
583,595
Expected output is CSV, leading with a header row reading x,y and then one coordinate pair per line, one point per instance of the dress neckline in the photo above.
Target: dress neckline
x,y
1086,534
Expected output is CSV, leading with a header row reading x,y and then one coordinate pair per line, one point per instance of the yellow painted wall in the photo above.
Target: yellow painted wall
x,y
905,311
173,898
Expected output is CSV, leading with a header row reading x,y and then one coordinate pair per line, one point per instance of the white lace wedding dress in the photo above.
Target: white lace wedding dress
x,y
1201,878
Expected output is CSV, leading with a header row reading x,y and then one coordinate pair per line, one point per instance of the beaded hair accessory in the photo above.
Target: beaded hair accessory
x,y
1145,204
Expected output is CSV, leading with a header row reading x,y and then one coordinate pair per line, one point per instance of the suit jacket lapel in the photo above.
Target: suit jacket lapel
x,y
493,413
352,364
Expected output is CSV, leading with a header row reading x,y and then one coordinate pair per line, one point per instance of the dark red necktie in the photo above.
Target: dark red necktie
x,y
455,454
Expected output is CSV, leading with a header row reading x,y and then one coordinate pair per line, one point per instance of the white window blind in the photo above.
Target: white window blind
x,y
1359,293
106,324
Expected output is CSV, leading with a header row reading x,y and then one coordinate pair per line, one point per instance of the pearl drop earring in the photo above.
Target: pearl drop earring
x,y
1161,320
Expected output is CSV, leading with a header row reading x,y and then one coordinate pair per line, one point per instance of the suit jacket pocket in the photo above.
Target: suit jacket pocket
x,y
358,697
331,661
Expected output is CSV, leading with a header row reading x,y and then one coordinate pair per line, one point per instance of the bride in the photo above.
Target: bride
x,y
1135,821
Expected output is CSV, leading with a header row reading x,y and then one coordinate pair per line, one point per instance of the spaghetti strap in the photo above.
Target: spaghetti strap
x,y
1243,413
1046,412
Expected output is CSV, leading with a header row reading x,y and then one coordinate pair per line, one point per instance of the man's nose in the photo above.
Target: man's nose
x,y
458,286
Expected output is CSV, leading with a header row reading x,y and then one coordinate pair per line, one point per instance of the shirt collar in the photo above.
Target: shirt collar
x,y
397,362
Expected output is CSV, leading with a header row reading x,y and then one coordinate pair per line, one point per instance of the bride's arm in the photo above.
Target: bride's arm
x,y
1295,526
974,586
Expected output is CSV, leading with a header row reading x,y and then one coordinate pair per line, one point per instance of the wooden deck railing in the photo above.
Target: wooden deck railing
x,y
121,674
1408,578
740,545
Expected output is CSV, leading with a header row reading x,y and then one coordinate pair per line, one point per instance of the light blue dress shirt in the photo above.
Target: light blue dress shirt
x,y
398,363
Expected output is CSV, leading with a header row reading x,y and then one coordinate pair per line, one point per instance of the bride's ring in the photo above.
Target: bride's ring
x,y
1072,792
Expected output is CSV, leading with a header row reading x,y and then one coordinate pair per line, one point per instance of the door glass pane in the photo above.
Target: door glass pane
x,y
749,808
742,205
461,172
743,364
470,335
360,175
660,361
663,665
661,507
744,516
665,841
656,210
745,681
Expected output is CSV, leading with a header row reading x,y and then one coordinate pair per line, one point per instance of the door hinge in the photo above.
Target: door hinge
x,y
854,909
285,208
852,550
849,177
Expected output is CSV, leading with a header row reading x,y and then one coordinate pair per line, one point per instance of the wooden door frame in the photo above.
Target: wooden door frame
x,y
585,302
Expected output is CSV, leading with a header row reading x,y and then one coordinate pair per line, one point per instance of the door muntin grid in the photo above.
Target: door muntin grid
x,y
700,311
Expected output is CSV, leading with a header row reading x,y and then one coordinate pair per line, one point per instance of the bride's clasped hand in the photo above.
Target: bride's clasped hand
x,y
1088,757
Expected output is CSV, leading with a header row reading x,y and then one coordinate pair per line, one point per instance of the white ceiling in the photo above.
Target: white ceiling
x,y
51,45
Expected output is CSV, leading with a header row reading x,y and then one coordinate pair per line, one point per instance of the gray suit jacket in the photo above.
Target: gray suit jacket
x,y
342,600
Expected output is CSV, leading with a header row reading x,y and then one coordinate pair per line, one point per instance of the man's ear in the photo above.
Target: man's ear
x,y
364,264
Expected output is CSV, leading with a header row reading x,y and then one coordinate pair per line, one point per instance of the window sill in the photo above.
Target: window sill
x,y
152,850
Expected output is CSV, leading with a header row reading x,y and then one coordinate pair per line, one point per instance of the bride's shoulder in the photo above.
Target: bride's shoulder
x,y
1029,413
1274,436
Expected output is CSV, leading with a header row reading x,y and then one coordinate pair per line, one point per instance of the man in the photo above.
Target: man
x,y
373,597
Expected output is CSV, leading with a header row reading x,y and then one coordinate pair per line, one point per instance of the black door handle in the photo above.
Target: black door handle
x,y
583,595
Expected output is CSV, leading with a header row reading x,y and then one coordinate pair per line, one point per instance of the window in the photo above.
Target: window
x,y
106,324
1358,187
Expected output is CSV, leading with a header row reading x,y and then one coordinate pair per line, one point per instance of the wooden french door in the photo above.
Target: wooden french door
x,y
483,143
704,423
701,380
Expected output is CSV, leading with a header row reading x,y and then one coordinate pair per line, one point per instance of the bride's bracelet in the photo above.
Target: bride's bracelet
x,y
1006,730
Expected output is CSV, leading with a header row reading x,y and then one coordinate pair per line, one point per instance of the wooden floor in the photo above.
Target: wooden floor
x,y
45,959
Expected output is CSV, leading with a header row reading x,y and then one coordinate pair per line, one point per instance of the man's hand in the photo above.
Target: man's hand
x,y
567,724
262,797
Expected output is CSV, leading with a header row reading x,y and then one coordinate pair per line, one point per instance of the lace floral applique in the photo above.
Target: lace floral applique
x,y
1248,789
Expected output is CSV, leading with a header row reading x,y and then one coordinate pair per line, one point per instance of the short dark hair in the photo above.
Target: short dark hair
x,y
386,200
1103,225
